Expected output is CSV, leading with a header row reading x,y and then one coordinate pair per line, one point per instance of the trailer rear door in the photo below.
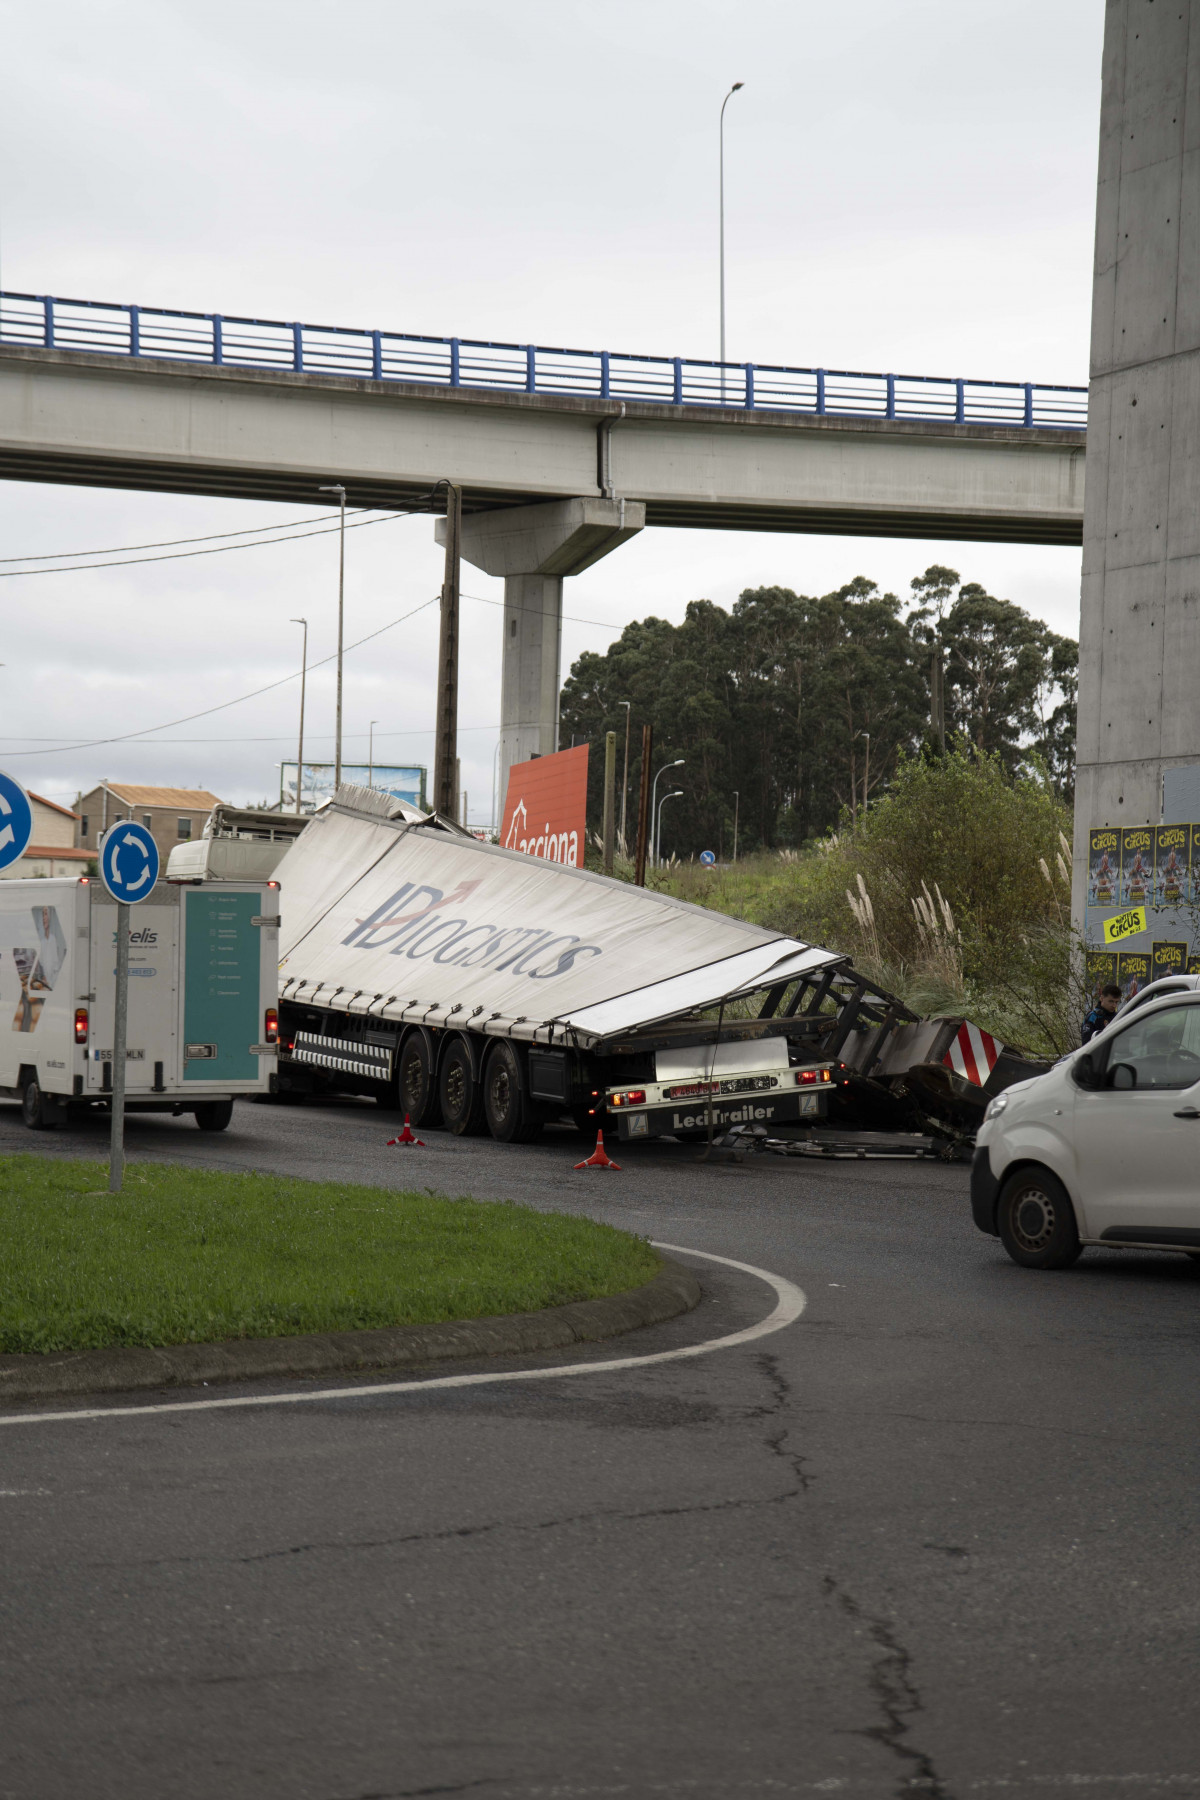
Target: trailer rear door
x,y
222,958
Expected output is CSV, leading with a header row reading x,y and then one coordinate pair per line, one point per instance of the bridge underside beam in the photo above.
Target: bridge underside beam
x,y
297,490
90,421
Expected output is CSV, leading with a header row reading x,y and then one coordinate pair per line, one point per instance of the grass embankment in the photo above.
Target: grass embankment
x,y
190,1256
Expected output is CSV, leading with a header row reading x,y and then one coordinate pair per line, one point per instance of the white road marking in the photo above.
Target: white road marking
x,y
790,1303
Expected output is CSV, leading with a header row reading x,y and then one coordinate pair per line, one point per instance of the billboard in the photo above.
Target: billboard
x,y
545,809
406,783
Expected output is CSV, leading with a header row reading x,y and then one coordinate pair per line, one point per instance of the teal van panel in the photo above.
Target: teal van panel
x,y
222,960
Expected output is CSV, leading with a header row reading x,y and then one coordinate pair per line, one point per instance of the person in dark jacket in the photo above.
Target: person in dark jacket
x,y
1102,1013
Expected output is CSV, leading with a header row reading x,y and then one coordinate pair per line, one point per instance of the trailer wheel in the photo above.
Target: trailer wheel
x,y
506,1098
416,1081
214,1115
459,1089
39,1111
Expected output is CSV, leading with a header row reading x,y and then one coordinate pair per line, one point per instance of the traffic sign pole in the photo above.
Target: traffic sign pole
x,y
129,870
116,1147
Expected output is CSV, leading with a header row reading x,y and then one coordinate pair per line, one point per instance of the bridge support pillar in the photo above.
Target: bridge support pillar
x,y
1139,641
535,548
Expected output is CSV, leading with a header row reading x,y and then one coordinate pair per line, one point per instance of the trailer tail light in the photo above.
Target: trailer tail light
x,y
628,1097
81,1024
271,1026
811,1077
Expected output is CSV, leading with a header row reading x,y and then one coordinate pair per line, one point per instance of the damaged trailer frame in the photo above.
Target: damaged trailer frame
x,y
472,987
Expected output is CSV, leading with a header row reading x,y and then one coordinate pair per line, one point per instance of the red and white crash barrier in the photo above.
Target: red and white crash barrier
x,y
973,1053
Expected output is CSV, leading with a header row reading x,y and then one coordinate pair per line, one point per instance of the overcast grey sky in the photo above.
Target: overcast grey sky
x,y
910,186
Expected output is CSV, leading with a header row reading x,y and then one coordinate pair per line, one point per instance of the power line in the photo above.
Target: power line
x,y
206,712
274,738
126,562
147,731
170,543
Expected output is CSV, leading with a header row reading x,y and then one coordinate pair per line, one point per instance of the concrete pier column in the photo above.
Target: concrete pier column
x,y
535,548
530,669
1139,649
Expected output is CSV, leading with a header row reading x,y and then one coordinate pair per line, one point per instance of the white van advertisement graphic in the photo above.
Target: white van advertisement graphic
x,y
38,964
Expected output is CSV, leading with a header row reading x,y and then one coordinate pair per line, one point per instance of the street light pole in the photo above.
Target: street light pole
x,y
627,704
736,803
677,764
725,102
339,490
303,685
673,795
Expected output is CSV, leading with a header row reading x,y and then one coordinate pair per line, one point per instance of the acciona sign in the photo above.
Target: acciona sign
x,y
545,810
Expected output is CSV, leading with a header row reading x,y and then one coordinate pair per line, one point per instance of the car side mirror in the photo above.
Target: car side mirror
x,y
1085,1073
1122,1075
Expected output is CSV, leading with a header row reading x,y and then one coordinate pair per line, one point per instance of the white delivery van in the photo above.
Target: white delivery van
x,y
1105,1148
203,984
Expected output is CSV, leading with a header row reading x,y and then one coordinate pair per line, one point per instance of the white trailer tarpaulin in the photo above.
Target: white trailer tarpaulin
x,y
410,921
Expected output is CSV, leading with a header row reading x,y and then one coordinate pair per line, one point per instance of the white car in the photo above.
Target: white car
x,y
1103,1149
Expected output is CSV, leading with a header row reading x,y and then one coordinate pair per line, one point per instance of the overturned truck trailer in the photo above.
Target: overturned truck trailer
x,y
476,988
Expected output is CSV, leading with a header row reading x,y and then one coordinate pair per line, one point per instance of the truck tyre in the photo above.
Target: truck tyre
x,y
460,1092
214,1115
416,1081
1036,1220
506,1102
39,1111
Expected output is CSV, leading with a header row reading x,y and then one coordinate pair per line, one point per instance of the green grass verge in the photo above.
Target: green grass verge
x,y
190,1256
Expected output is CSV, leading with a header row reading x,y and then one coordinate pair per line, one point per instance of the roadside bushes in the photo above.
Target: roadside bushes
x,y
953,891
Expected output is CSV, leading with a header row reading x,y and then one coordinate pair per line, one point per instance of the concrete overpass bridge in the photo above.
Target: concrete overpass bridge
x,y
561,454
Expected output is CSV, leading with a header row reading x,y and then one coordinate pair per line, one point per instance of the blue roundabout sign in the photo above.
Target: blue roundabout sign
x,y
16,820
128,862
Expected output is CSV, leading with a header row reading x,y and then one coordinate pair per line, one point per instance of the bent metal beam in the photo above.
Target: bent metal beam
x,y
94,420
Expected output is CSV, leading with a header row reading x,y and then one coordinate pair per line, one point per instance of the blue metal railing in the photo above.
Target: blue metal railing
x,y
41,321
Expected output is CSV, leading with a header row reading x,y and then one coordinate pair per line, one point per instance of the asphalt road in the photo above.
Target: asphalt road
x,y
936,1538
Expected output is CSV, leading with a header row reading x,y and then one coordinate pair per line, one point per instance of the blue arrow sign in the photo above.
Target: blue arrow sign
x,y
16,820
707,858
128,861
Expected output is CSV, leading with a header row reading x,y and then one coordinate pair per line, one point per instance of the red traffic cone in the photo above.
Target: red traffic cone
x,y
406,1136
599,1159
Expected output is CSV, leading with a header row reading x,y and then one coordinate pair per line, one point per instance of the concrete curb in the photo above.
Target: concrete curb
x,y
59,1373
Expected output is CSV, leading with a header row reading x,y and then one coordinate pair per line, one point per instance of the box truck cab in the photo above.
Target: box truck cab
x,y
1105,1148
203,982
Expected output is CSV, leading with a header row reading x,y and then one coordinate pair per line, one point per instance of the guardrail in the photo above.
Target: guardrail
x,y
42,321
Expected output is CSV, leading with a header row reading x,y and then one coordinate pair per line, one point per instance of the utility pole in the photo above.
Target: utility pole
x,y
610,798
866,769
644,806
737,800
339,490
371,753
445,754
628,705
303,685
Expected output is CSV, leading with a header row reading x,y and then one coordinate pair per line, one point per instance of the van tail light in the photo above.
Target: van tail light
x,y
271,1026
81,1024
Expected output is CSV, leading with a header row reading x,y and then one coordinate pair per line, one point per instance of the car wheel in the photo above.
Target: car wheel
x,y
506,1100
1037,1221
38,1111
214,1115
460,1093
416,1085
